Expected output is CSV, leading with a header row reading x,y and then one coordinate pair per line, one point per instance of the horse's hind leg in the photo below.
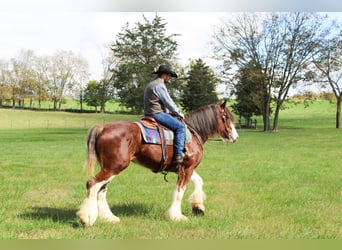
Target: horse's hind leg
x,y
198,196
104,211
89,209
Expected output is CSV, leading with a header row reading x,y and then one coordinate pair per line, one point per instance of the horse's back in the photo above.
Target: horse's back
x,y
117,143
120,132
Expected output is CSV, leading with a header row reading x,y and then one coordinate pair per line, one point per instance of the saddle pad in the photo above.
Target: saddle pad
x,y
152,136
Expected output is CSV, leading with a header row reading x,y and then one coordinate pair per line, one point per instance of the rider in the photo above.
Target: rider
x,y
157,103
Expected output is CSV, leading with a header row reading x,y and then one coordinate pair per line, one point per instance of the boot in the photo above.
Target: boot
x,y
188,156
179,159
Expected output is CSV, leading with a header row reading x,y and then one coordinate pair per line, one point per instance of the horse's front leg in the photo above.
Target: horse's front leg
x,y
197,198
175,210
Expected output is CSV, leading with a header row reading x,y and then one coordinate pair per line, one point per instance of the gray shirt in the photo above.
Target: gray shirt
x,y
157,99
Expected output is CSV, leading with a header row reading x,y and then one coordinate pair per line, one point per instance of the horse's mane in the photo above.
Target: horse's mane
x,y
203,120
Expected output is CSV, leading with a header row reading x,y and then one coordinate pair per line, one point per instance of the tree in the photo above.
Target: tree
x,y
5,91
106,88
302,33
19,77
65,70
136,52
5,80
329,63
81,75
201,86
92,94
249,93
42,79
281,43
237,44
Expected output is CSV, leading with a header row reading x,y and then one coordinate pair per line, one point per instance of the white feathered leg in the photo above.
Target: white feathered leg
x,y
89,209
197,198
104,211
175,211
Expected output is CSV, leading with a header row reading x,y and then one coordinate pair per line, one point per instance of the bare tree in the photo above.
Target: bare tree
x,y
281,44
329,63
42,78
19,76
240,44
5,91
65,69
81,77
106,87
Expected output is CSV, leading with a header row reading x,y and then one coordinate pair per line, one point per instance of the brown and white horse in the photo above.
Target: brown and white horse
x,y
116,144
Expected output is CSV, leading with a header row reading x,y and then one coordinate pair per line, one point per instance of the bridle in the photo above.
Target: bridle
x,y
224,120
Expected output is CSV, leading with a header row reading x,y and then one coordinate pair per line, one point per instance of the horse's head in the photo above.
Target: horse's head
x,y
226,123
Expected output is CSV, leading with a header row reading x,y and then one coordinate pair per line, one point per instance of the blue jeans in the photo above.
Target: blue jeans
x,y
177,127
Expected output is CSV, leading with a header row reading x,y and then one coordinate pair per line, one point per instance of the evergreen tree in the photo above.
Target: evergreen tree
x,y
200,89
137,52
249,92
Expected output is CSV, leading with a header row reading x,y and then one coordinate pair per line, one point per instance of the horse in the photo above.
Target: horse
x,y
115,145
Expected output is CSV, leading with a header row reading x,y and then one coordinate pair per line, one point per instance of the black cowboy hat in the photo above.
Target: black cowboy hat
x,y
164,69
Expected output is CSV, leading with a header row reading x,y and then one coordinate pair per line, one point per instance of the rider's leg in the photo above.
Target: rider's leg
x,y
179,131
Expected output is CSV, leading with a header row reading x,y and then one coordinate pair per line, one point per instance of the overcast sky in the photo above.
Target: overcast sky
x,y
87,33
85,28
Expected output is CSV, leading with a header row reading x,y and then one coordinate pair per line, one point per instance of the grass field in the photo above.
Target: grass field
x,y
285,185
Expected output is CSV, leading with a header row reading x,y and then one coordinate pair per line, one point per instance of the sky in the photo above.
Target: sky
x,y
86,27
88,33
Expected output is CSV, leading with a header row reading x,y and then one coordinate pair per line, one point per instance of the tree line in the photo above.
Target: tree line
x,y
261,57
267,54
31,77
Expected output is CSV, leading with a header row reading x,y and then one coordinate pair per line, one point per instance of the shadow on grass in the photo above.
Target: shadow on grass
x,y
131,209
68,216
58,215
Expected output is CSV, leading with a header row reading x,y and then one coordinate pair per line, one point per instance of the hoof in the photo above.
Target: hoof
x,y
180,218
113,220
84,223
177,217
197,211
85,220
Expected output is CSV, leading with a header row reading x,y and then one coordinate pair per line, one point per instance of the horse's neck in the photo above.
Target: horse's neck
x,y
198,136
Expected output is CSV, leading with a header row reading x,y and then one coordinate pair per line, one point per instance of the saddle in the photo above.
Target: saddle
x,y
154,133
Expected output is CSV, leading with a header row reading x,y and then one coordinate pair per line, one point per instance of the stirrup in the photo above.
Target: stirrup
x,y
179,159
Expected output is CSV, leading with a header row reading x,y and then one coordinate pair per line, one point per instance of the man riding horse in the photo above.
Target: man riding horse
x,y
157,103
116,144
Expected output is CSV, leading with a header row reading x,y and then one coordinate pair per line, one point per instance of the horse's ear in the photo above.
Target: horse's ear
x,y
223,105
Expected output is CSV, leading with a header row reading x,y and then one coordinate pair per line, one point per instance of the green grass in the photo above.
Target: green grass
x,y
19,119
285,185
111,106
319,114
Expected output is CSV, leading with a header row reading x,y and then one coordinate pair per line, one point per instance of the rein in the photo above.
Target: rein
x,y
194,132
224,119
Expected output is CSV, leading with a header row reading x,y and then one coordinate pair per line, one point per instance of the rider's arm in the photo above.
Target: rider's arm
x,y
161,92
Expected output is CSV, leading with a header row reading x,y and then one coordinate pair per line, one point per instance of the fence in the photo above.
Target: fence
x,y
251,124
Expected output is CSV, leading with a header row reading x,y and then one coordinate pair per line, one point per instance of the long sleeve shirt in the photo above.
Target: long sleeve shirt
x,y
157,99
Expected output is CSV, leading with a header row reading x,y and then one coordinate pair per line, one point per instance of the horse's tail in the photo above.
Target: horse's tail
x,y
92,157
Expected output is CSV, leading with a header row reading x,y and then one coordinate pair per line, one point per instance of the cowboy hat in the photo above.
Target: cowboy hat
x,y
164,69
